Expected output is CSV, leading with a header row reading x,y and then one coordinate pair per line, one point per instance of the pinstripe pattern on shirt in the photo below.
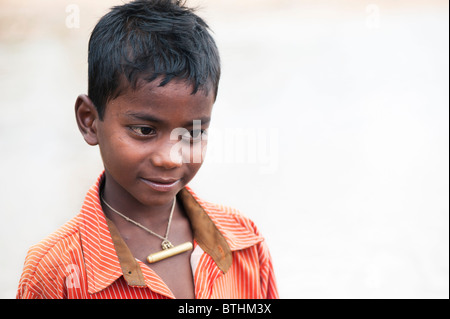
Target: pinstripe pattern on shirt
x,y
79,261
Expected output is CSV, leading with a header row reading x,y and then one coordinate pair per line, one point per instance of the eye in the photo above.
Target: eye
x,y
142,130
195,134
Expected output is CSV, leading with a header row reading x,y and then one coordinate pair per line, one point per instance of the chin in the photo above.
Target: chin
x,y
158,198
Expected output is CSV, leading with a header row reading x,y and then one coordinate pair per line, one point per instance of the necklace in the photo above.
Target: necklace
x,y
168,249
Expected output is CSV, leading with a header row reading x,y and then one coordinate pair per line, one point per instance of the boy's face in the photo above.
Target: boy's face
x,y
140,140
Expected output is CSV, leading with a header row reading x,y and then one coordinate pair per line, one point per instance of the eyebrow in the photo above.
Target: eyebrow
x,y
203,120
144,117
151,118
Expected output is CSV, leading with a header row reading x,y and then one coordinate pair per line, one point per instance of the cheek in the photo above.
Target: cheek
x,y
119,155
198,152
188,153
191,170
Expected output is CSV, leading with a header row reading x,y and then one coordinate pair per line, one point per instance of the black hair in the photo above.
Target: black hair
x,y
146,40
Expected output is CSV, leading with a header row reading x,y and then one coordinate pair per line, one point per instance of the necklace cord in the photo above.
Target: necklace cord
x,y
164,239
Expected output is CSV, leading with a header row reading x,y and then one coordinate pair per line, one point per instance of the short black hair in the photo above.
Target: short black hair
x,y
146,40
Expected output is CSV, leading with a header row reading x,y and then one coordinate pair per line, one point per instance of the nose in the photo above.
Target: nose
x,y
167,156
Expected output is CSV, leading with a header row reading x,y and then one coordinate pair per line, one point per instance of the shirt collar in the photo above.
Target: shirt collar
x,y
107,256
100,257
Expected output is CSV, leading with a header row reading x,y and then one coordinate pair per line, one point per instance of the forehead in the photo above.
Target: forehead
x,y
172,102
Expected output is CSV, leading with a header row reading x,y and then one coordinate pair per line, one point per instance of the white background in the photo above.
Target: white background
x,y
347,176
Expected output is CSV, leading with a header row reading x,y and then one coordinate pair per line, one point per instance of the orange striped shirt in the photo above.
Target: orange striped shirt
x,y
87,259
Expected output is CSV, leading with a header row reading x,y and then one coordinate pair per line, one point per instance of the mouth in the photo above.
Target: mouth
x,y
161,185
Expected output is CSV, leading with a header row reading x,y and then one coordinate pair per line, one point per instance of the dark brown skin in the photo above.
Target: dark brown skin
x,y
134,141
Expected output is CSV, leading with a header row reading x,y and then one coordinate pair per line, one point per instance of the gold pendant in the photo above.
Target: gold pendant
x,y
169,252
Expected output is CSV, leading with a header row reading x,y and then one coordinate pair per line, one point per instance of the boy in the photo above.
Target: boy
x,y
142,233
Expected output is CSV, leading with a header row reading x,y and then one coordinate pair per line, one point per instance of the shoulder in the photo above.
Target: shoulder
x,y
46,260
58,242
238,229
230,217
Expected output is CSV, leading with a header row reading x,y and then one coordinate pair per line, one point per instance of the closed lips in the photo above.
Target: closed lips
x,y
162,181
161,184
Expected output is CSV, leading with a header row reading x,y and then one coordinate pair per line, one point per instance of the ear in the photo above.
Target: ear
x,y
87,119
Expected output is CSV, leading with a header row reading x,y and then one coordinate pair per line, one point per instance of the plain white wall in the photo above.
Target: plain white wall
x,y
330,131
